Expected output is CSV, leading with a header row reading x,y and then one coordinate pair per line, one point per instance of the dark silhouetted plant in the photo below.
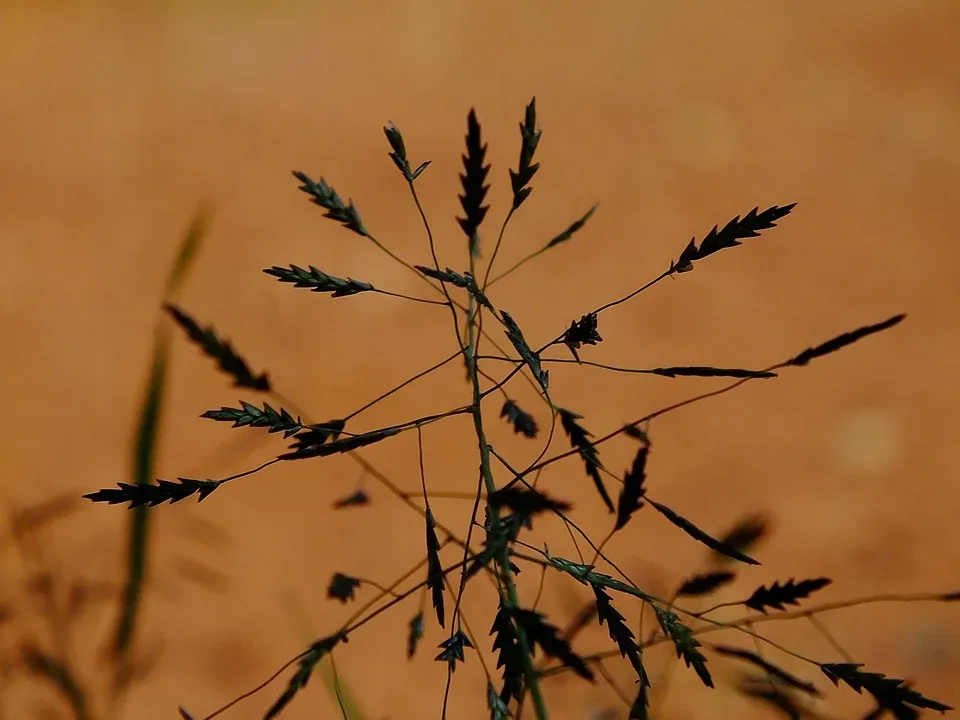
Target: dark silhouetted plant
x,y
510,499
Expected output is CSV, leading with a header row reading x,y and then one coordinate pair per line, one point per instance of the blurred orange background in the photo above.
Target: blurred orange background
x,y
119,119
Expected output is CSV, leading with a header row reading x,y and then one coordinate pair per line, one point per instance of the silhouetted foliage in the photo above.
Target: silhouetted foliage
x,y
509,657
357,498
732,233
248,415
705,583
414,635
790,593
510,496
582,332
453,649
545,636
220,350
530,135
307,662
768,667
152,495
326,197
572,229
686,645
841,341
698,534
746,533
580,439
435,572
531,358
633,491
522,421
342,587
472,180
620,633
318,281
891,693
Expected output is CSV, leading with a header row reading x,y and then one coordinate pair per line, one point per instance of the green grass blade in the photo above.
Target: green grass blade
x,y
58,674
345,702
188,251
144,454
137,544
343,698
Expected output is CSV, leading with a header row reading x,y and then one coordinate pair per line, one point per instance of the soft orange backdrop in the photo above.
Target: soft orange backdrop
x,y
118,119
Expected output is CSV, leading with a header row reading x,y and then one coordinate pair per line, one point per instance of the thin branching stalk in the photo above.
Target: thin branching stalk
x,y
522,500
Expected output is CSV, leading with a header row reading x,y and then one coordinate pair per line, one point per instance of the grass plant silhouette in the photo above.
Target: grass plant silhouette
x,y
510,508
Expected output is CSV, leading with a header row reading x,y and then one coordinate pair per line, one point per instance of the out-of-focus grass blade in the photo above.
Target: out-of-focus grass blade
x,y
342,697
56,672
345,700
144,452
188,251
142,471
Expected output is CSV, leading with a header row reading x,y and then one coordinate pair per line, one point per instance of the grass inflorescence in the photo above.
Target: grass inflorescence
x,y
509,502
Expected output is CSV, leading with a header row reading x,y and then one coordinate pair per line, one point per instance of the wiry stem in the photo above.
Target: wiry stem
x,y
399,387
496,249
469,347
645,418
354,623
515,267
411,297
510,589
741,623
436,262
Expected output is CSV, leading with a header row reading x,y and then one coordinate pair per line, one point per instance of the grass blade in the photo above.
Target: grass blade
x,y
142,471
58,674
339,691
189,248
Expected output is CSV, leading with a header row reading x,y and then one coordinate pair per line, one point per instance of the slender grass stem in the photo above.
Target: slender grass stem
x,y
384,396
496,248
777,617
510,595
503,550
411,298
